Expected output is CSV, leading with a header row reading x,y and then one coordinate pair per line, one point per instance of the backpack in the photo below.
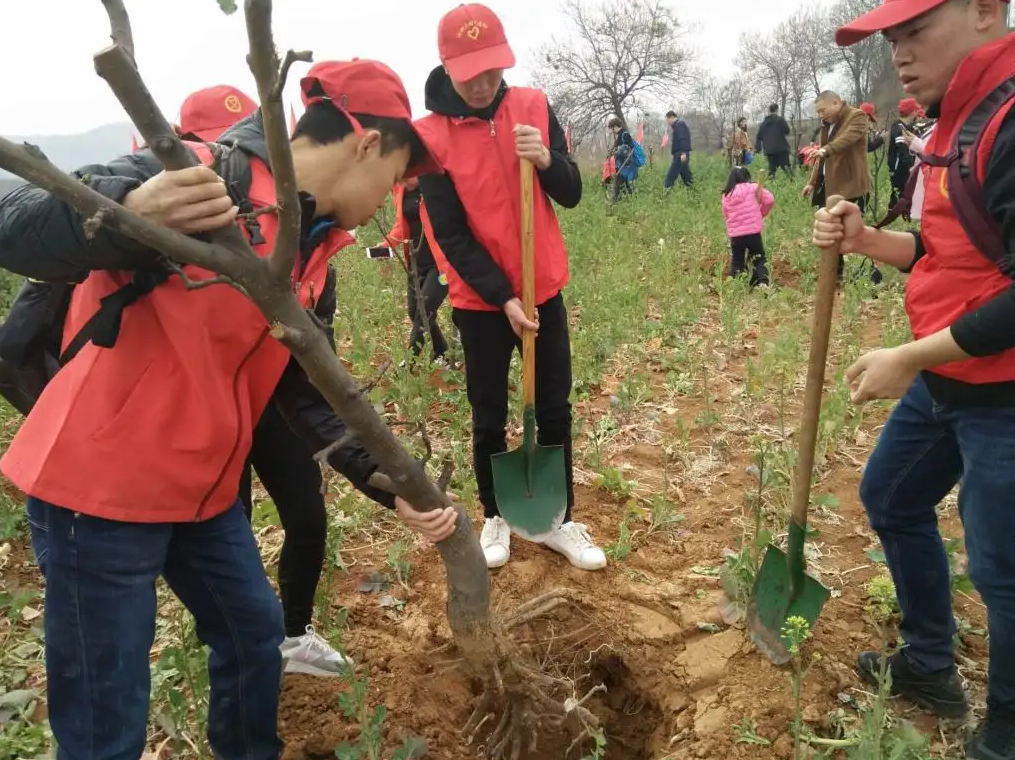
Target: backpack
x,y
964,187
32,333
639,154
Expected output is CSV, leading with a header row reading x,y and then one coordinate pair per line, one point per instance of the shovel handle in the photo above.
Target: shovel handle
x,y
820,332
528,286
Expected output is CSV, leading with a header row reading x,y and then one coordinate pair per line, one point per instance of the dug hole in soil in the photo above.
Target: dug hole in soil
x,y
654,628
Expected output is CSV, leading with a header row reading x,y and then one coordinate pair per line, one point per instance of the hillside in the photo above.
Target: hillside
x,y
72,151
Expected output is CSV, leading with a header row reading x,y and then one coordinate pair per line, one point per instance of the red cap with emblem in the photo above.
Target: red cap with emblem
x,y
890,13
471,40
209,112
364,87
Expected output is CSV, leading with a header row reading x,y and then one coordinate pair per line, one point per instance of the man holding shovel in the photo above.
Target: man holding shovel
x,y
956,417
479,131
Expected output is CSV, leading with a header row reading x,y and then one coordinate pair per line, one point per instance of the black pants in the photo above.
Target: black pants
x,y
749,251
818,199
293,479
680,169
778,160
488,343
434,292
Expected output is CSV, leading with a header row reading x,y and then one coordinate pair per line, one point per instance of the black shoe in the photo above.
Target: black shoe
x,y
941,693
996,738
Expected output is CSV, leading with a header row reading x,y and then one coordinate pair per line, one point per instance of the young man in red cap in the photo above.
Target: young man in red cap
x,y
31,337
479,131
875,138
955,423
132,454
900,158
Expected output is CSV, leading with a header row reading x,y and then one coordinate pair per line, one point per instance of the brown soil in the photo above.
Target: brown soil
x,y
678,679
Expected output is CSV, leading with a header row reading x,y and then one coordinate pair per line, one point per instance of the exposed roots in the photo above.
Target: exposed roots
x,y
521,698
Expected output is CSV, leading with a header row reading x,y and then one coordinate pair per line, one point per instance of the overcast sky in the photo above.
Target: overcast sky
x,y
46,47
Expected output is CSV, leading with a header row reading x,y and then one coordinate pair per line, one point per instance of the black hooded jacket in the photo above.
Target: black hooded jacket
x,y
42,237
561,181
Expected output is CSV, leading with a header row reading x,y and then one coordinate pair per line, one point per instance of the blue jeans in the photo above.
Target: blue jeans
x,y
680,169
100,624
924,450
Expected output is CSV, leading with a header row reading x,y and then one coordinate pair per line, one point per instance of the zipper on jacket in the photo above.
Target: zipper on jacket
x,y
236,443
493,129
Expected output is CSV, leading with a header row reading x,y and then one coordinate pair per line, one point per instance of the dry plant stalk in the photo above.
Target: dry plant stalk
x,y
513,689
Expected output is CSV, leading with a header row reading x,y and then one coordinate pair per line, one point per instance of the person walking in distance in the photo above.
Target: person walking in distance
x,y
955,420
773,140
745,205
841,166
680,148
479,130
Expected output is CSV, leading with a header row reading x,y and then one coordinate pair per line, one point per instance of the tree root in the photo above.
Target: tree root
x,y
519,699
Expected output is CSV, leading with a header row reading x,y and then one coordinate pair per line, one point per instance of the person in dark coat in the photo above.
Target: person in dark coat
x,y
680,147
773,140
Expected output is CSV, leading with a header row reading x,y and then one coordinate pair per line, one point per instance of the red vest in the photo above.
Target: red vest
x,y
480,158
158,428
953,278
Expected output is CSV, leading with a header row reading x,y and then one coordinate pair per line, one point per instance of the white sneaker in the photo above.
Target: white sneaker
x,y
573,541
311,653
496,541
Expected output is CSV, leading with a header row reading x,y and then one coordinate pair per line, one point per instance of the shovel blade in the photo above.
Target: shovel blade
x,y
531,488
774,601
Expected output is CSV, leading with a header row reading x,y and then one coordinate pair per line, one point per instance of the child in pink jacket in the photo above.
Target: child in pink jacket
x,y
745,205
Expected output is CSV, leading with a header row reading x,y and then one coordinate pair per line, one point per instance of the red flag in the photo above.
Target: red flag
x,y
567,135
292,120
641,133
666,138
133,143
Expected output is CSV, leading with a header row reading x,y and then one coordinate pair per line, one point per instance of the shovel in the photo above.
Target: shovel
x,y
782,589
530,482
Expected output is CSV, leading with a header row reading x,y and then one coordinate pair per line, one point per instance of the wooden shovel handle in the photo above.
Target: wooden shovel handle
x,y
528,286
820,332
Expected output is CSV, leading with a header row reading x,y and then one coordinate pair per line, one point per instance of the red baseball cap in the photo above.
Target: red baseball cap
x,y
471,40
209,112
365,87
908,107
890,13
868,108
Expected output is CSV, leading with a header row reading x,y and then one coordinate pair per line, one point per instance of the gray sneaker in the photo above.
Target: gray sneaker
x,y
312,654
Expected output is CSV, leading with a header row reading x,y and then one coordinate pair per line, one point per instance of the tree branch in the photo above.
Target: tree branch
x,y
291,57
119,26
269,74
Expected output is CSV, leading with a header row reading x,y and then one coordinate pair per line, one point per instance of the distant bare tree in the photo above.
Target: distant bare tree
x,y
617,56
768,65
805,33
867,63
722,101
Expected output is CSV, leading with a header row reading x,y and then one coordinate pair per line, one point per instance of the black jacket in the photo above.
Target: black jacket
x,y
42,237
680,137
900,157
773,135
473,263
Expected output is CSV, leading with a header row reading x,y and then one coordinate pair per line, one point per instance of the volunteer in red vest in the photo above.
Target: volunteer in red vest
x,y
132,454
955,421
283,461
407,236
479,130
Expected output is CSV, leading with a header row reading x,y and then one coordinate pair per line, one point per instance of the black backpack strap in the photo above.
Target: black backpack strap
x,y
103,327
964,187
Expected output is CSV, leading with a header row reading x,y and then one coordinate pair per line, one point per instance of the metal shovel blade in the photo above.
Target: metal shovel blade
x,y
775,600
531,485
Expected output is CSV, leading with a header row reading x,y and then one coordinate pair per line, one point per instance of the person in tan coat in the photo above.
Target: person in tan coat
x,y
841,165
